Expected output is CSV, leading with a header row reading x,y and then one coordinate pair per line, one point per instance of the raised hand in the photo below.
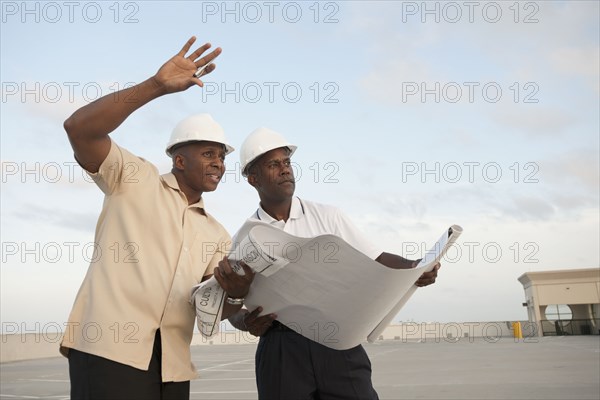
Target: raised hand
x,y
178,73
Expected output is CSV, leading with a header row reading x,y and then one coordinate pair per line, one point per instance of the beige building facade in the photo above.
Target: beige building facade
x,y
563,302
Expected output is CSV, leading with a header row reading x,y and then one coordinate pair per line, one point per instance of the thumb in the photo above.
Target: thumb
x,y
247,270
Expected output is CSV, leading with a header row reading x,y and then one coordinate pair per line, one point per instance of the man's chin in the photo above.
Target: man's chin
x,y
289,190
210,187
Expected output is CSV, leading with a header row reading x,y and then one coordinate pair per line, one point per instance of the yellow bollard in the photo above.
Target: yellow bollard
x,y
517,330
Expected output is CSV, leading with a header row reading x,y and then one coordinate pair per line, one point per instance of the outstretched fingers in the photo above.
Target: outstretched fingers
x,y
188,45
200,50
204,65
207,59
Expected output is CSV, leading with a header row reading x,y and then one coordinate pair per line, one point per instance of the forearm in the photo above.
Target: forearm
x,y
88,128
395,261
229,310
99,118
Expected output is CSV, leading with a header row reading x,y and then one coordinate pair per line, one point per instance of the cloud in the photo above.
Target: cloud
x,y
536,121
421,206
582,61
522,208
574,170
394,81
36,214
561,44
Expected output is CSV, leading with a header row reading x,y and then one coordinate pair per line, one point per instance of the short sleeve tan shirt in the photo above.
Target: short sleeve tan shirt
x,y
151,247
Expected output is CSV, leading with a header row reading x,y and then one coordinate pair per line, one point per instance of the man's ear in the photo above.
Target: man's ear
x,y
252,180
179,161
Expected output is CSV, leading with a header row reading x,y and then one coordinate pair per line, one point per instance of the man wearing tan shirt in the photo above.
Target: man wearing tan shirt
x,y
129,332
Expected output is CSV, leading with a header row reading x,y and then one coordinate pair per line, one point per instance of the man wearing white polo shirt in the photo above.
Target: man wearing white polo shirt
x,y
288,365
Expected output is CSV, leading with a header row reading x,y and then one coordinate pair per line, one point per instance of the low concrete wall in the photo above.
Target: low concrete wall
x,y
454,331
27,346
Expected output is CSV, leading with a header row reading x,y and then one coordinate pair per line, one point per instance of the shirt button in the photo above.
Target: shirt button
x,y
185,249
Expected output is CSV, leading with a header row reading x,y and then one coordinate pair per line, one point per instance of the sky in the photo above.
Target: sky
x,y
408,116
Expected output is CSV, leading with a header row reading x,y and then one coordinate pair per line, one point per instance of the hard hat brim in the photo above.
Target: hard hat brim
x,y
169,150
291,147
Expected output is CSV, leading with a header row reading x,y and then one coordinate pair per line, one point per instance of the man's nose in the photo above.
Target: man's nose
x,y
286,169
217,162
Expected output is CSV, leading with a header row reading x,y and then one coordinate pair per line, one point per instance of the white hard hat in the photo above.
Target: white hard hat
x,y
259,142
199,127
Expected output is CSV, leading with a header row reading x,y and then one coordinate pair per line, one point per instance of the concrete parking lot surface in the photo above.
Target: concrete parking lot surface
x,y
469,368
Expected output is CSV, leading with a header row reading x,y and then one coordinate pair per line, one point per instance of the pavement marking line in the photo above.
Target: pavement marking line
x,y
227,364
231,370
49,375
43,380
225,379
384,353
226,392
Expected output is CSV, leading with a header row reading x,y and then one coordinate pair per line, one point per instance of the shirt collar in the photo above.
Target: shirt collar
x,y
296,212
171,181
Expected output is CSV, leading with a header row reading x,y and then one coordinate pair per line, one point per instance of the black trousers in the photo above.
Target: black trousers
x,y
95,378
292,367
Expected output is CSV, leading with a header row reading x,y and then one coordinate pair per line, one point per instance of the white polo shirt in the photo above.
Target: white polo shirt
x,y
309,219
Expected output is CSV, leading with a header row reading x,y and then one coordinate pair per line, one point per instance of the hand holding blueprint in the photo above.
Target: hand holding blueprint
x,y
321,287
